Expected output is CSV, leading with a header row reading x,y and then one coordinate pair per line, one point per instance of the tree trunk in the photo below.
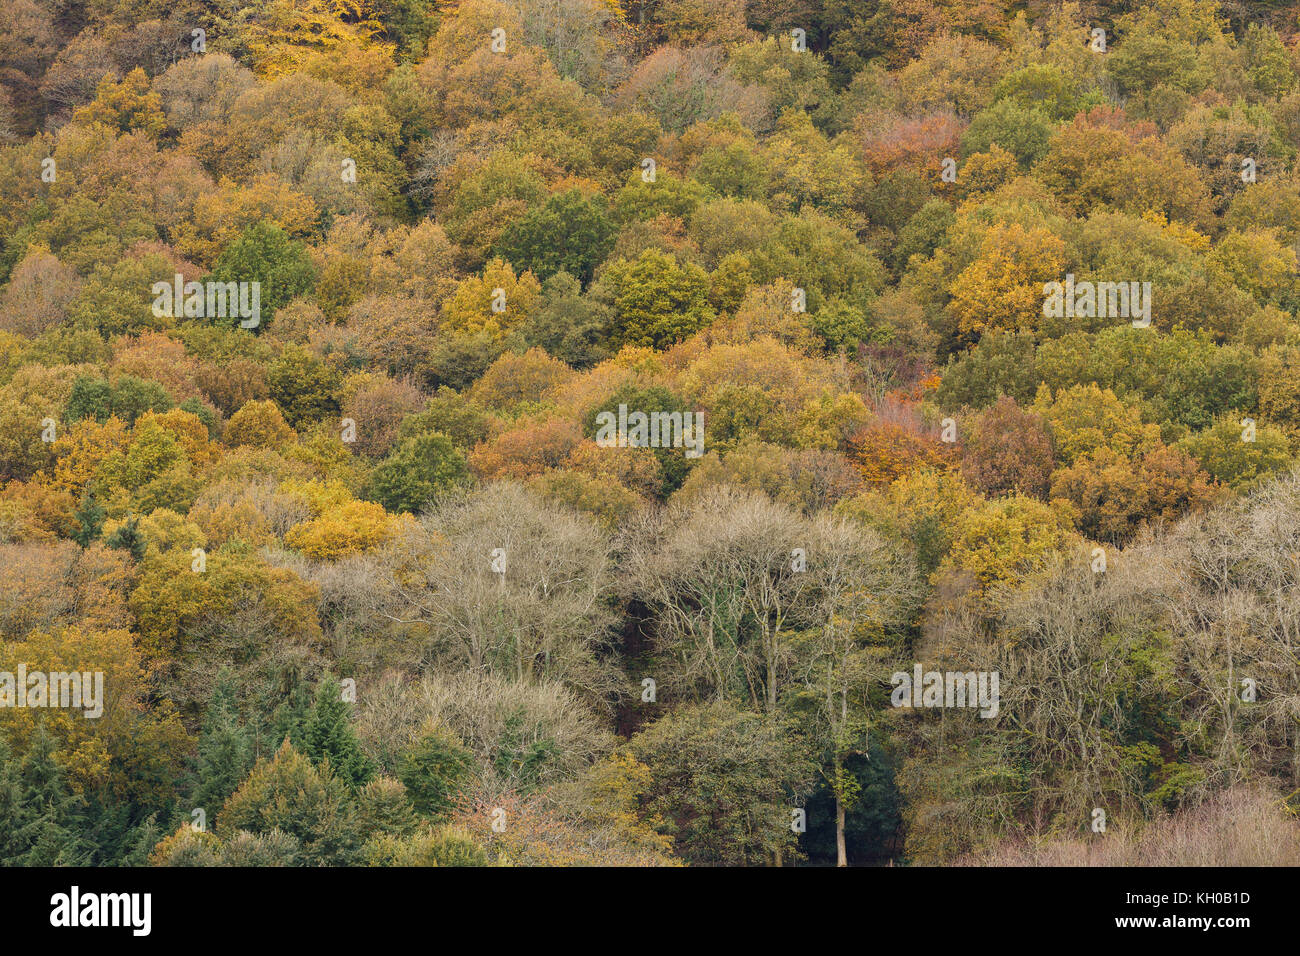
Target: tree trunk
x,y
841,857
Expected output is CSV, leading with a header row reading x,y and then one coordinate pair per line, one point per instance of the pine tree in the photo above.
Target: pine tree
x,y
108,829
289,720
14,814
434,769
50,831
312,805
127,538
225,750
141,841
328,734
90,520
383,807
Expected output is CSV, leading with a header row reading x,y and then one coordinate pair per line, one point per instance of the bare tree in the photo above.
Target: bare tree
x,y
510,585
862,589
720,578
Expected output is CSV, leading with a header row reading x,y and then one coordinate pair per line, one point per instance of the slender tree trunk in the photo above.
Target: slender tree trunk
x,y
841,856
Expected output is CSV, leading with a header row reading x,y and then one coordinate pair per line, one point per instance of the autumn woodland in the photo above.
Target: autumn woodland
x,y
649,432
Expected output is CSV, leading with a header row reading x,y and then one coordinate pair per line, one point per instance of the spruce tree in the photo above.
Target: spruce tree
x,y
328,734
127,538
14,814
90,520
141,841
225,750
434,769
289,720
51,830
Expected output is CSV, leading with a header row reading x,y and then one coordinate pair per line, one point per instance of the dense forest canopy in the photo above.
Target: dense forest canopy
x,y
551,432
